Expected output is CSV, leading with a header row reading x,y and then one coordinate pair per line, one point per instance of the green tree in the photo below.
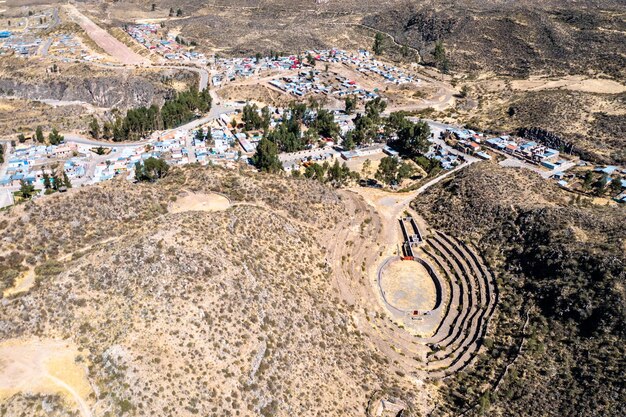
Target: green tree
x,y
616,186
404,51
46,181
266,118
405,170
338,174
464,91
348,142
179,12
55,181
430,165
21,138
153,7
325,124
410,138
367,166
66,180
378,43
310,60
94,128
250,117
374,108
588,179
266,156
107,130
55,137
600,185
350,104
39,134
440,52
27,190
151,170
387,170
441,59
316,171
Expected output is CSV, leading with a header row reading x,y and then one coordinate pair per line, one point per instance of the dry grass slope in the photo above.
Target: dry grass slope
x,y
211,313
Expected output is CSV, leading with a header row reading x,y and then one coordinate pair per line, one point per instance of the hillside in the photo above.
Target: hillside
x,y
178,312
517,39
561,270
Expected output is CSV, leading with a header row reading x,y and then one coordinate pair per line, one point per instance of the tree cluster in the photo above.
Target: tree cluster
x,y
441,58
350,103
151,169
336,174
409,138
53,182
142,121
252,120
391,170
27,190
55,137
367,126
288,135
378,43
266,156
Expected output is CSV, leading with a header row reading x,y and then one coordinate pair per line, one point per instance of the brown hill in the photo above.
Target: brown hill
x,y
178,312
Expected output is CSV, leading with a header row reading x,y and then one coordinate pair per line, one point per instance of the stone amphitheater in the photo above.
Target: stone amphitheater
x,y
465,293
454,292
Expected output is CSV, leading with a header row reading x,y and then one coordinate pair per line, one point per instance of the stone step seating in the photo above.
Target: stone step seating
x,y
473,290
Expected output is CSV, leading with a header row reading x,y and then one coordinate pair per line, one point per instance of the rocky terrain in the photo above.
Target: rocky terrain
x,y
517,39
557,342
97,86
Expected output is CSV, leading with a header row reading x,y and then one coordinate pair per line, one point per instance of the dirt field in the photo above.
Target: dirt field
x,y
105,41
200,202
573,83
261,93
44,367
408,286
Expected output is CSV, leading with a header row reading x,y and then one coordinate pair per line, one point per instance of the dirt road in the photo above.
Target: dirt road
x,y
105,40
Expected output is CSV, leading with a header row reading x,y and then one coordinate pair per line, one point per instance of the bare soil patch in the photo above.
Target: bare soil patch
x,y
408,286
105,40
36,366
573,83
23,283
200,202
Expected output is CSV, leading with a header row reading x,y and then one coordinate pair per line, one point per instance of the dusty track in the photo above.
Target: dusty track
x,y
105,40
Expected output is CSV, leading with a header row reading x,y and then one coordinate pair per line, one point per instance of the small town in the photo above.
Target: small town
x,y
225,140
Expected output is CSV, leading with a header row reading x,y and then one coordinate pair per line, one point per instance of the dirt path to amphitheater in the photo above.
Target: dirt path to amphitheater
x,y
105,40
